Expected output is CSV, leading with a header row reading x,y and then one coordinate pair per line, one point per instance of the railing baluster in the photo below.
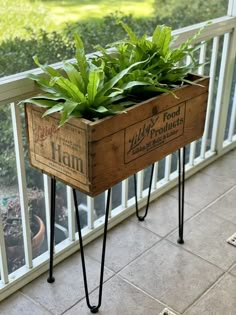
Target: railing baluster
x,y
193,144
220,88
71,213
90,209
47,194
168,161
155,176
232,8
224,86
202,60
212,74
20,166
232,118
124,193
140,177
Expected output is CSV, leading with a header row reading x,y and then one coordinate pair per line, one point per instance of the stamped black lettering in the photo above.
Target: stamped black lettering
x,y
145,136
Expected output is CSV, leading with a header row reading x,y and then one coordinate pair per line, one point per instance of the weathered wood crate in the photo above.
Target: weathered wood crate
x,y
93,156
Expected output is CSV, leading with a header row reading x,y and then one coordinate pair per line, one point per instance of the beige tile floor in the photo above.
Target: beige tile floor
x,y
146,270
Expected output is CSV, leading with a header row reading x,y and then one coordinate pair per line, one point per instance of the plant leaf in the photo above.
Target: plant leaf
x,y
129,31
46,69
110,84
47,96
68,108
162,38
71,89
74,75
41,102
93,84
56,108
131,84
81,59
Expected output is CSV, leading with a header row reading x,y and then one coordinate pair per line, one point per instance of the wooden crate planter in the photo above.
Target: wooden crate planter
x,y
93,156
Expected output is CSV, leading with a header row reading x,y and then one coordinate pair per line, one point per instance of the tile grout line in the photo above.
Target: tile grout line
x,y
210,204
154,298
231,268
205,292
227,272
177,246
90,292
198,256
138,256
200,211
146,293
172,231
145,228
35,302
222,218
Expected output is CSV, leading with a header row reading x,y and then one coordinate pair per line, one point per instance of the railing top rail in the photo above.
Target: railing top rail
x,y
17,87
214,28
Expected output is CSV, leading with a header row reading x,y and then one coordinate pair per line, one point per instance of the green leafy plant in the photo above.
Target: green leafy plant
x,y
106,83
161,69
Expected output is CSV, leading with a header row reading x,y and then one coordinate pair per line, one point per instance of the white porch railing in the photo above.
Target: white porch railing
x,y
219,137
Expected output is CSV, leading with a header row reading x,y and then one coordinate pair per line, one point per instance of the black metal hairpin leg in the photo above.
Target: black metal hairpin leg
x,y
181,181
141,218
51,279
93,309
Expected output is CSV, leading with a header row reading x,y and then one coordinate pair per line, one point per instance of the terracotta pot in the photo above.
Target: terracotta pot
x,y
38,239
18,251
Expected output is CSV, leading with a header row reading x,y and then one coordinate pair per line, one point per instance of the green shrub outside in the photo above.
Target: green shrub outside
x,y
7,156
16,54
182,13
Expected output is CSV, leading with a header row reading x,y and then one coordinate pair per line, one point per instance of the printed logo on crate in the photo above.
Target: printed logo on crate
x,y
61,149
151,133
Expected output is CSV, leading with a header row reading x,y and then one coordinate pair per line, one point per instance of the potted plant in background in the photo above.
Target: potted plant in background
x,y
161,107
12,226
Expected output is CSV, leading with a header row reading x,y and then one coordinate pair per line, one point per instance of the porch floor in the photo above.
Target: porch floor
x,y
146,270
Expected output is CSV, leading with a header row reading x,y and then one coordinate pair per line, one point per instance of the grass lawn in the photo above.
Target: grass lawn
x,y
73,10
17,16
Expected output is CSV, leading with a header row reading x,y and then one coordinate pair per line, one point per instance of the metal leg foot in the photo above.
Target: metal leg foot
x,y
51,279
142,218
180,241
181,182
93,309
